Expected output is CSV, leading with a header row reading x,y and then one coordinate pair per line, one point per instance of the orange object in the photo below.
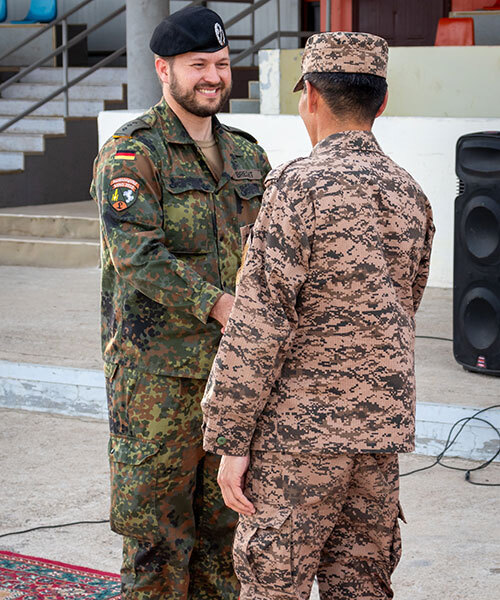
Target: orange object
x,y
455,32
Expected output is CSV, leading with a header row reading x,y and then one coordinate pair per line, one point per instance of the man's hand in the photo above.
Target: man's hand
x,y
221,309
231,480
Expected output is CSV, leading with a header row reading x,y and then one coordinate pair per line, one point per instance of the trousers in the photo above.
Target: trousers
x,y
334,517
165,501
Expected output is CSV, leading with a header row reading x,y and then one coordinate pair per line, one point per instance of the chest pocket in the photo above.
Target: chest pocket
x,y
187,217
248,199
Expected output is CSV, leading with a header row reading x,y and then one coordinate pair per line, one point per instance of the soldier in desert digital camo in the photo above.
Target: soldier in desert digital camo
x,y
174,188
312,393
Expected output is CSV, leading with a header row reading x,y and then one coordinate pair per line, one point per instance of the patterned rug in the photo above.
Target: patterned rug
x,y
29,578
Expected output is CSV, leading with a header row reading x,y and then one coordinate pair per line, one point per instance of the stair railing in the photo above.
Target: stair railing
x,y
66,44
64,50
276,35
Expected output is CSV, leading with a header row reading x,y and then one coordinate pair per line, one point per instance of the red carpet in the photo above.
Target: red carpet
x,y
29,578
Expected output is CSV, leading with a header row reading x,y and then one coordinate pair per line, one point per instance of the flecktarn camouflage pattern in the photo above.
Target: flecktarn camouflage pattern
x,y
165,499
318,355
344,52
330,516
171,245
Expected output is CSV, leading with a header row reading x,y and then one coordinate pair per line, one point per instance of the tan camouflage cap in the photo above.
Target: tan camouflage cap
x,y
344,52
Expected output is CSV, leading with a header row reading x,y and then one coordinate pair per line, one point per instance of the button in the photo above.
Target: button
x,y
221,440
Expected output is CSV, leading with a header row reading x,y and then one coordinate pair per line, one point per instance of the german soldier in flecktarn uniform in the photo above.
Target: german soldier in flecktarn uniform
x,y
313,387
174,188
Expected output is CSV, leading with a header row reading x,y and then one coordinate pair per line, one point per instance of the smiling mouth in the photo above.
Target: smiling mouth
x,y
209,92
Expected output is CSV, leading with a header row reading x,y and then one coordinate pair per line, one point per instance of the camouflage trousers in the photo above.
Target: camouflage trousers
x,y
334,517
165,500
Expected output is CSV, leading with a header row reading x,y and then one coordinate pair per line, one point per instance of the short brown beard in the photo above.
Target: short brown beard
x,y
187,99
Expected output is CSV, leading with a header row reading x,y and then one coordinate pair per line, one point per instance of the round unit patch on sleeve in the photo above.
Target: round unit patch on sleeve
x,y
124,193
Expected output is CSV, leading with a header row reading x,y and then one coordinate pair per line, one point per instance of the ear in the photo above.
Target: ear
x,y
383,105
312,97
162,69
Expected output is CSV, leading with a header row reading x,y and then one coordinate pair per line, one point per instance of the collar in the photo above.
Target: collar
x,y
347,141
175,132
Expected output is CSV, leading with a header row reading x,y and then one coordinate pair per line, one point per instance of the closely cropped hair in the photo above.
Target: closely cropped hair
x,y
350,94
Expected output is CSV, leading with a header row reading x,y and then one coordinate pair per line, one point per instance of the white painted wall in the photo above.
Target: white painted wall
x,y
424,146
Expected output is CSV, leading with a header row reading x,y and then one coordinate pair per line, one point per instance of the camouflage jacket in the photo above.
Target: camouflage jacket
x,y
318,355
170,238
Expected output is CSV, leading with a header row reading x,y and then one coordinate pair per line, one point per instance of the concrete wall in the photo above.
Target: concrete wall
x,y
425,81
423,146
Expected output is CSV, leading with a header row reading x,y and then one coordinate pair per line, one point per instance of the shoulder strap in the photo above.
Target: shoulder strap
x,y
275,174
240,132
131,127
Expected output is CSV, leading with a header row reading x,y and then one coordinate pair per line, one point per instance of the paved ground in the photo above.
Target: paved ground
x,y
54,320
54,470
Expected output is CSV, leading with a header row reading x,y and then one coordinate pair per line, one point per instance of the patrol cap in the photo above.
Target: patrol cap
x,y
344,52
191,29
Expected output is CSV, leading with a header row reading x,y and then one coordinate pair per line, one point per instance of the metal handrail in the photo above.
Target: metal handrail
x,y
244,13
68,44
46,28
269,38
65,88
62,48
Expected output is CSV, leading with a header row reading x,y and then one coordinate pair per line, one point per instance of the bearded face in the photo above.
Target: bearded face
x,y
200,82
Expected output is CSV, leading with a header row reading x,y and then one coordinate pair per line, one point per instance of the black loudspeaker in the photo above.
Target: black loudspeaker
x,y
476,272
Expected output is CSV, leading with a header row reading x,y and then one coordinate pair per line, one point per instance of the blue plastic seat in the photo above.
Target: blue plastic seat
x,y
41,11
3,10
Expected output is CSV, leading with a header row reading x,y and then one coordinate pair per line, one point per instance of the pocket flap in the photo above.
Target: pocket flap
x,y
131,451
268,516
178,185
249,189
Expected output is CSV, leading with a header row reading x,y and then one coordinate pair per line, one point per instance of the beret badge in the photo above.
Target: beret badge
x,y
219,34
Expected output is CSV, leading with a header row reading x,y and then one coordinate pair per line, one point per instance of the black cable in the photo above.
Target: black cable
x,y
54,527
449,443
433,337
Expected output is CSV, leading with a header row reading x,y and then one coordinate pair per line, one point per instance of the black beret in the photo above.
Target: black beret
x,y
192,29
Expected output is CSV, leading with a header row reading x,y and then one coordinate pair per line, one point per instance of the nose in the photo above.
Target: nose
x,y
211,75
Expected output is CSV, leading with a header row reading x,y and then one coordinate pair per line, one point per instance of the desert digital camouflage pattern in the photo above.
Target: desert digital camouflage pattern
x,y
344,52
330,516
318,355
165,499
170,240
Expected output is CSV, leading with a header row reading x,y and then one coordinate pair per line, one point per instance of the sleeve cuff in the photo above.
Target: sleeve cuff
x,y
219,440
205,302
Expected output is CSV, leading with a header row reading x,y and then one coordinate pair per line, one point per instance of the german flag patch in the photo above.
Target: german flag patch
x,y
125,155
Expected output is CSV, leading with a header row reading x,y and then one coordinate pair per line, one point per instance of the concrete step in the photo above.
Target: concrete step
x,y
106,75
54,108
79,92
11,161
21,142
43,125
254,90
46,252
48,226
244,105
